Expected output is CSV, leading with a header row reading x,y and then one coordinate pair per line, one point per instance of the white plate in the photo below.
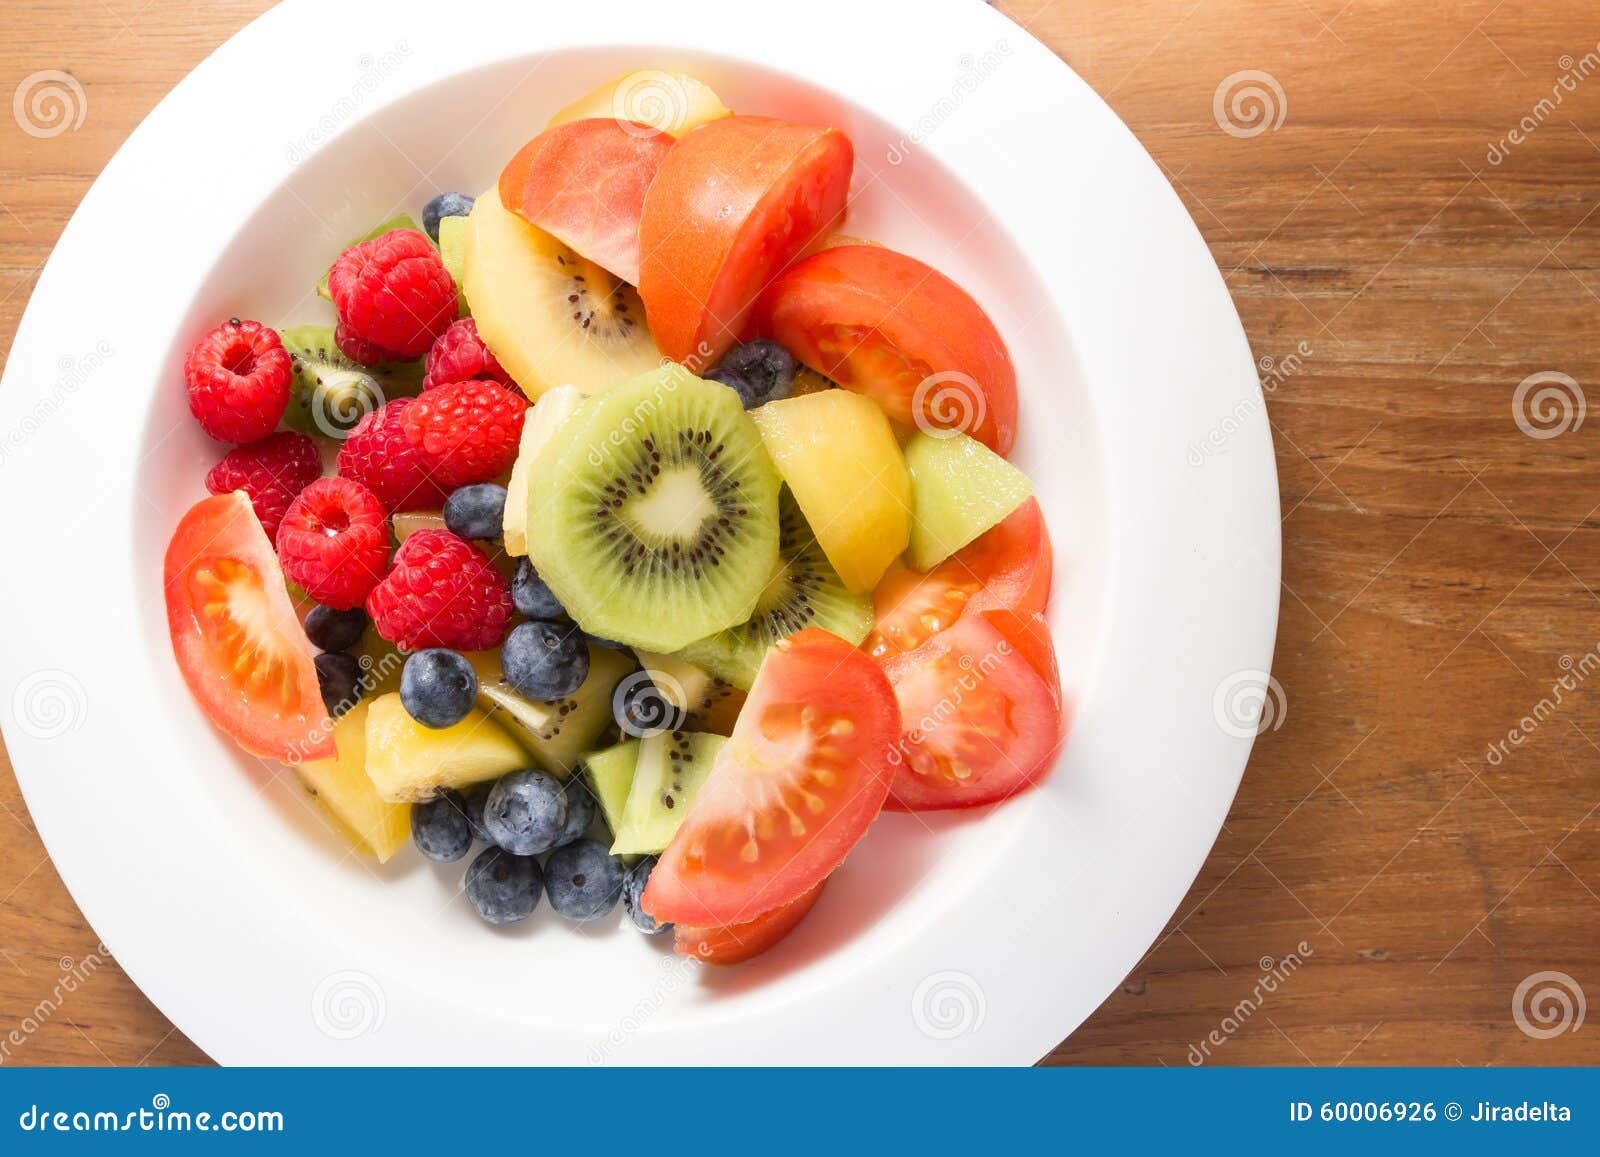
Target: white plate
x,y
965,939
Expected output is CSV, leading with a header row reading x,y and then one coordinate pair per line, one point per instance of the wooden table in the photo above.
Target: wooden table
x,y
1440,563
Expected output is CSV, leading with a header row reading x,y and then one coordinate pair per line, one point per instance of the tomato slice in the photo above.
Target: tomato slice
x,y
732,204
803,776
736,943
236,636
981,704
1008,566
888,326
584,182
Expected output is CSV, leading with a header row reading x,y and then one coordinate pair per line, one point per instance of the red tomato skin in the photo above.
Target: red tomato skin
x,y
733,203
735,943
1019,560
225,526
931,322
1025,675
809,669
585,182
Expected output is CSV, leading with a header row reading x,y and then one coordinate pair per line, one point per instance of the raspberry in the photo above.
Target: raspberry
x,y
465,432
441,592
377,455
271,471
358,349
238,379
334,542
394,293
460,355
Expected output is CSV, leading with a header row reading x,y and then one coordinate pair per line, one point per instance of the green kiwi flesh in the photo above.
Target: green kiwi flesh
x,y
655,520
670,769
803,591
329,393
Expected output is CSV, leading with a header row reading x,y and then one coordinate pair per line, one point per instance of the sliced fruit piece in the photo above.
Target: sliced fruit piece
x,y
340,785
899,331
670,770
611,776
736,943
804,775
808,381
840,458
552,409
408,762
402,221
655,519
959,489
803,591
669,101
732,204
1009,566
550,317
381,664
584,182
236,635
556,733
981,708
453,252
719,712
330,393
680,682
405,523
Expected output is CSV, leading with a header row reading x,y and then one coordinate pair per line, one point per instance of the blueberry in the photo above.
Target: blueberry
x,y
531,596
476,511
504,888
580,811
734,382
643,710
526,812
477,795
444,205
632,888
766,368
331,630
339,679
545,661
584,880
437,687
440,829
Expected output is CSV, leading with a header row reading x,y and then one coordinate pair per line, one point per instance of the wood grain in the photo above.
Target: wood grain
x,y
1440,565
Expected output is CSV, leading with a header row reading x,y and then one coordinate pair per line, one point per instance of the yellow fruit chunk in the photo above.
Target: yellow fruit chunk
x,y
959,489
669,101
558,734
838,453
554,408
408,762
341,787
550,317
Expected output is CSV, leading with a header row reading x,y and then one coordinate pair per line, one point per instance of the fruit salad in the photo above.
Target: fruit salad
x,y
626,531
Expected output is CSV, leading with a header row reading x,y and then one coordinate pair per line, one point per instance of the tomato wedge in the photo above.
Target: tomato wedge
x,y
236,636
732,204
888,326
584,182
736,943
803,776
1008,566
981,702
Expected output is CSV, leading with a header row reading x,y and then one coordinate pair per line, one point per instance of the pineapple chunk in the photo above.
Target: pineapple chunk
x,y
959,489
552,409
342,789
558,734
408,763
839,455
669,101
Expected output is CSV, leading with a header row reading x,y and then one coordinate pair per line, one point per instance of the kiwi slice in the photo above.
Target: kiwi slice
x,y
670,769
802,591
329,392
654,518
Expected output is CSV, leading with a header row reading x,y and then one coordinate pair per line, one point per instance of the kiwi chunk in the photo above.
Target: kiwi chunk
x,y
654,519
803,591
329,392
611,777
670,770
